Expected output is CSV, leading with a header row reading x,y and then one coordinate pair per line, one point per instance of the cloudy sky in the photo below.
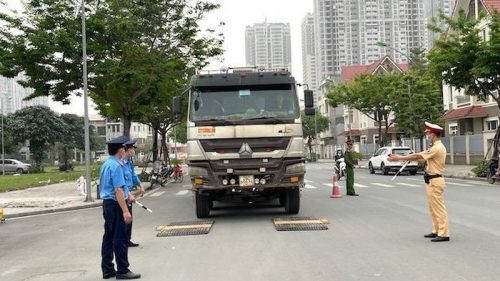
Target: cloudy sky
x,y
236,14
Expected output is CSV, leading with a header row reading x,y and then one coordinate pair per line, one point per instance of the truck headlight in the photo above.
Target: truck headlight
x,y
296,168
197,171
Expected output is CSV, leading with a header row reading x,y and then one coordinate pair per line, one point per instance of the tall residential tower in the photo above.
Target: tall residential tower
x,y
347,32
269,45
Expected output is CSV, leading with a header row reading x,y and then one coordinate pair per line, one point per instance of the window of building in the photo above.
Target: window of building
x,y
453,129
375,139
491,124
363,139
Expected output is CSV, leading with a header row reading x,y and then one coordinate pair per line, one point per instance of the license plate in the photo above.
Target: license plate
x,y
246,180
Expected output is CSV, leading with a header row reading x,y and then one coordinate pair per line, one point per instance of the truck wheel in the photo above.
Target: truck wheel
x,y
292,201
202,206
282,200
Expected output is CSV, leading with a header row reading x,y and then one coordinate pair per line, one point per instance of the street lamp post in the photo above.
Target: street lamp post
x,y
86,109
410,102
3,148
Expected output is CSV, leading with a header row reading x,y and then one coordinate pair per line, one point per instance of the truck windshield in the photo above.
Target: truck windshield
x,y
252,102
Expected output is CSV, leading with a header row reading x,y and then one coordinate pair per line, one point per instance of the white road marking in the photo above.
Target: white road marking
x,y
382,184
408,184
459,184
309,186
182,192
156,194
359,185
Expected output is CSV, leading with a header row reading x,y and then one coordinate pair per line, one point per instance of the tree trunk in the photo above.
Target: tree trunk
x,y
127,122
154,149
380,144
166,154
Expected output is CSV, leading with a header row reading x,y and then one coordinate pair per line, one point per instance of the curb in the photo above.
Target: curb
x,y
66,209
446,176
48,211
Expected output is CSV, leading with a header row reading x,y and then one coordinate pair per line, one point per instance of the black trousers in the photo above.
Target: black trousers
x,y
114,240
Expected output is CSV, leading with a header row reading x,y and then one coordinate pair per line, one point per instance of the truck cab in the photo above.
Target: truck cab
x,y
244,137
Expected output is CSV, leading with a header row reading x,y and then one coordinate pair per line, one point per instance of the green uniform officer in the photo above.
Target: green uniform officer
x,y
349,169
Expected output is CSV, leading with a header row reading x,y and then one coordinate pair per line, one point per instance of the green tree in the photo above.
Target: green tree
x,y
421,101
132,46
369,94
463,59
11,146
41,126
312,126
179,132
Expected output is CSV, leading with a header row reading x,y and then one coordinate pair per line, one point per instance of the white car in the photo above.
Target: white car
x,y
379,161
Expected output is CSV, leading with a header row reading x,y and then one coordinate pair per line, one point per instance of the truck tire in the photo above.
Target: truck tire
x,y
202,205
292,201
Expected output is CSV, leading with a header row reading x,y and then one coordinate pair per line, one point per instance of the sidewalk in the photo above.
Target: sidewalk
x,y
64,196
48,199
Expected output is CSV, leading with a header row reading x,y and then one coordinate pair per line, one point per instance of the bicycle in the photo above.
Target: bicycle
x,y
178,177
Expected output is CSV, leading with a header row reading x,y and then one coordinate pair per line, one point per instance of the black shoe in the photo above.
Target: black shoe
x,y
352,194
128,275
108,275
440,239
132,244
431,235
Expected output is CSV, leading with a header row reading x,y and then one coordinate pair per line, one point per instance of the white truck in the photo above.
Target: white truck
x,y
244,137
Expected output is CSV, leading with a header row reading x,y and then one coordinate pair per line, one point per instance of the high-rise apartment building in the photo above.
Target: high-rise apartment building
x,y
269,45
432,11
13,95
347,32
308,54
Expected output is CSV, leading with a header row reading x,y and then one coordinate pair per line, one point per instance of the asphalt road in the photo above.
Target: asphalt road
x,y
376,236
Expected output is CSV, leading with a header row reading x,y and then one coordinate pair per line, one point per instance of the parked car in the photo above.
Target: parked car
x,y
379,161
14,166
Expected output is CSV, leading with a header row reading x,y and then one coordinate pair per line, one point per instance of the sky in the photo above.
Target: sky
x,y
236,14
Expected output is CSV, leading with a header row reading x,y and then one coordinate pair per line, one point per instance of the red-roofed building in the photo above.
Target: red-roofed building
x,y
358,126
466,114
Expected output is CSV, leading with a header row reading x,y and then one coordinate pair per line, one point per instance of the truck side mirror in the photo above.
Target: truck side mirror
x,y
176,108
308,99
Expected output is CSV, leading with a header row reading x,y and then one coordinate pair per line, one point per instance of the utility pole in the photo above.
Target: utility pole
x,y
385,45
86,108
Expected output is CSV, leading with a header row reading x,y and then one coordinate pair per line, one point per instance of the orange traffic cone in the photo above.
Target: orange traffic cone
x,y
335,189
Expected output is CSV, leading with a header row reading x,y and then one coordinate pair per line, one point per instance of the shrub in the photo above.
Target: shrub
x,y
357,155
143,176
482,169
175,161
66,168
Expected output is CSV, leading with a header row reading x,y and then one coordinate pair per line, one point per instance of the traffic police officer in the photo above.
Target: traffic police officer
x,y
349,169
115,212
434,181
131,180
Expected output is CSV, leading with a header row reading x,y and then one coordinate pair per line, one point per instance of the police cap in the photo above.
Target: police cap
x,y
432,128
131,143
121,140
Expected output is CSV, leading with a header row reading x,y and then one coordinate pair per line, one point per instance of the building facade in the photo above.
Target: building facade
x,y
466,115
269,45
309,56
13,95
347,32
